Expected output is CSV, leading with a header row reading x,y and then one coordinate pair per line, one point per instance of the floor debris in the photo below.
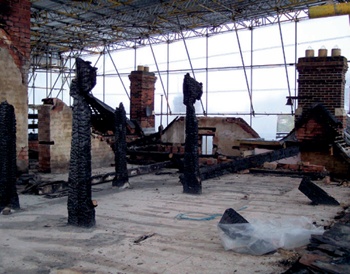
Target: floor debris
x,y
143,237
328,253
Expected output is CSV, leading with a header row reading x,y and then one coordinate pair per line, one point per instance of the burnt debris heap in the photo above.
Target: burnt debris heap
x,y
191,179
81,211
8,191
121,171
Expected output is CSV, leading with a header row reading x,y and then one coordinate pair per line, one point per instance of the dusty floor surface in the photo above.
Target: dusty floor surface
x,y
37,239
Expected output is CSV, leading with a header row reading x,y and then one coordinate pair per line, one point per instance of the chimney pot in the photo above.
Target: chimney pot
x,y
322,52
336,52
309,53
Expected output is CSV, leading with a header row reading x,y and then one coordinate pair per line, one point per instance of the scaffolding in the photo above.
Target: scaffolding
x,y
97,30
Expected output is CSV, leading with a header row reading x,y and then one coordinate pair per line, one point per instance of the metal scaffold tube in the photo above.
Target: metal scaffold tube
x,y
206,71
167,84
251,68
245,72
189,59
160,76
120,78
284,60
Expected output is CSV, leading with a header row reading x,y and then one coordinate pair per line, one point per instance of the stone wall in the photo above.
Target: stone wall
x,y
14,65
55,135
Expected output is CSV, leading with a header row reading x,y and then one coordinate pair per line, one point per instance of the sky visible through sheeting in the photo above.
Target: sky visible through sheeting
x,y
225,86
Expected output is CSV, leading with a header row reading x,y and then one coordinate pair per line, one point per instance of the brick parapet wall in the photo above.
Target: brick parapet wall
x,y
55,135
142,87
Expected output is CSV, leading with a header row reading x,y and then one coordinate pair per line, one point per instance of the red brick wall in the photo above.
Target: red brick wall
x,y
44,139
14,65
142,97
335,164
311,130
15,21
323,80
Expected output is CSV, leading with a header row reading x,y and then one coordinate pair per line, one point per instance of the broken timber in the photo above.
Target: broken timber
x,y
231,216
291,173
316,194
60,187
327,253
246,163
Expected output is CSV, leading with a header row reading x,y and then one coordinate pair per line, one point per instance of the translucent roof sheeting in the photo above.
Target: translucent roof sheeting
x,y
88,25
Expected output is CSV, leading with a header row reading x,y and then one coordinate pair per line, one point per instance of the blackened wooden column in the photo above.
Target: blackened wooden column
x,y
8,191
191,179
121,178
81,211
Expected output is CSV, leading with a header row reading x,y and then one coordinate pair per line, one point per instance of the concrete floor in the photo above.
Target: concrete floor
x,y
36,239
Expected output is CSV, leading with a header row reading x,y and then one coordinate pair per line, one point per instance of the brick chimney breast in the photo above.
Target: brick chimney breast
x,y
322,80
142,87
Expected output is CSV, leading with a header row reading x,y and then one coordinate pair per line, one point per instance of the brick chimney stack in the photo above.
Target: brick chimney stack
x,y
322,80
142,87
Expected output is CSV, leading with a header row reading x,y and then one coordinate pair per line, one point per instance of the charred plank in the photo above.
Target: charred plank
x,y
239,164
232,217
316,194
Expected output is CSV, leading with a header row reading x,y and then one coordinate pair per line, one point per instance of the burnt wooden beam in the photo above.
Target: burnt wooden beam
x,y
316,194
245,163
290,173
121,178
54,189
81,208
232,217
8,167
156,156
191,179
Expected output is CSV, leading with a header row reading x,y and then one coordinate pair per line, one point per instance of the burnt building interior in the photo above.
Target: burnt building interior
x,y
160,177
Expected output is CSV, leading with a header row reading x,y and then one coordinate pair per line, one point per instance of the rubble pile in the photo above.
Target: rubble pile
x,y
327,253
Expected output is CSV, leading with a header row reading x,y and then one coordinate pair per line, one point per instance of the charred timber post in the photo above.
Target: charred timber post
x,y
191,179
121,170
8,191
81,211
